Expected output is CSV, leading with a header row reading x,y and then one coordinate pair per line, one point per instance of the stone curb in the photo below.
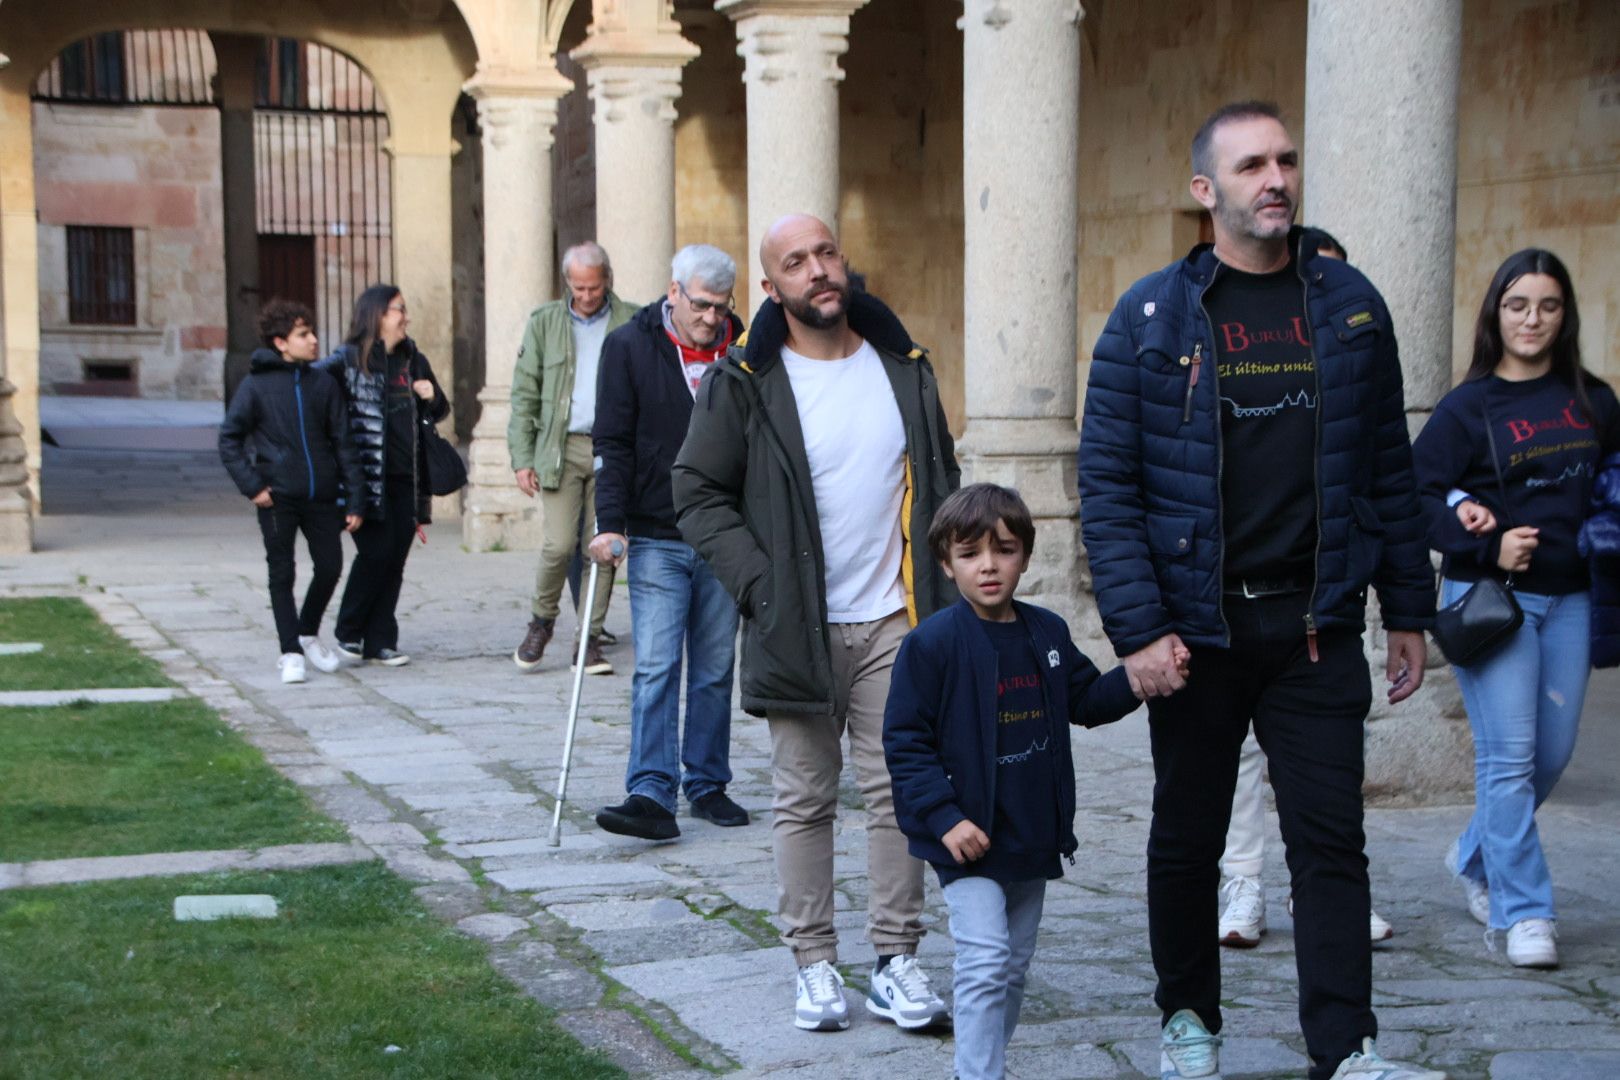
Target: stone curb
x,y
24,875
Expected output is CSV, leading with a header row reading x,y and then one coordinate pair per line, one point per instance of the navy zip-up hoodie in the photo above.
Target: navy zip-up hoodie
x,y
287,430
939,726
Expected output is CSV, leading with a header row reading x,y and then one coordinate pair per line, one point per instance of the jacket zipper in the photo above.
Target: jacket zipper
x,y
1196,361
303,435
1316,464
1220,469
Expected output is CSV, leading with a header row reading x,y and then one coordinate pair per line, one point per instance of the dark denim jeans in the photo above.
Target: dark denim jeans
x,y
678,607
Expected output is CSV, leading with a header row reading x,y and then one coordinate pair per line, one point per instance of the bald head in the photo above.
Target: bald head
x,y
805,271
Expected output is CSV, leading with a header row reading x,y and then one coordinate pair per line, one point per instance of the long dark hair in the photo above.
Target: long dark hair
x,y
369,309
1565,348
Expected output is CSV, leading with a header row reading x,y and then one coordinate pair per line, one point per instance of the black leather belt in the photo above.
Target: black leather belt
x,y
1255,587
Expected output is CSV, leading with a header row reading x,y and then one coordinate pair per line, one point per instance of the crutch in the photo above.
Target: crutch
x,y
585,610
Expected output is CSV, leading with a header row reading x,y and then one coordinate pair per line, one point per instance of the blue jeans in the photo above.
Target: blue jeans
x,y
675,601
994,928
1524,704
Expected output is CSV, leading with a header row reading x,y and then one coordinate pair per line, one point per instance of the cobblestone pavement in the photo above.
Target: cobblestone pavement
x,y
665,955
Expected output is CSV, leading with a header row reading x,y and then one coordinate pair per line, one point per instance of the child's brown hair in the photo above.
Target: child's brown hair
x,y
972,512
278,318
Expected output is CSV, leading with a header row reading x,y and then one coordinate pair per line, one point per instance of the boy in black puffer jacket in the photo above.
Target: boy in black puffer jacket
x,y
285,442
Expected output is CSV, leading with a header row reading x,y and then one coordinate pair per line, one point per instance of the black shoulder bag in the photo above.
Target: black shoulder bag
x,y
1481,620
446,472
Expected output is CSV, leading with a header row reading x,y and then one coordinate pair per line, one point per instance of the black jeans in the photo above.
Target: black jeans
x,y
322,526
366,614
1308,717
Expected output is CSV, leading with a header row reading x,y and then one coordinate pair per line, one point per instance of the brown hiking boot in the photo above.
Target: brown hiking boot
x,y
595,662
527,656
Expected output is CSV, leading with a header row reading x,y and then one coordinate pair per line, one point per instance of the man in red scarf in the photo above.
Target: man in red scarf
x,y
648,377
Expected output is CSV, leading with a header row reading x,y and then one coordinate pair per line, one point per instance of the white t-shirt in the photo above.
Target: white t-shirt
x,y
856,443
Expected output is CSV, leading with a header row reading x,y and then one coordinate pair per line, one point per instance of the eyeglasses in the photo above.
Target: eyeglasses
x,y
1519,307
703,307
397,307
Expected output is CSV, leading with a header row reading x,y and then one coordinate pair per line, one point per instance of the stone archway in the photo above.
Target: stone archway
x,y
419,53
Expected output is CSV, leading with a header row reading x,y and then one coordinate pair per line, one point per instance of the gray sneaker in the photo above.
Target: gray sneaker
x,y
900,992
1368,1064
820,1006
1187,1051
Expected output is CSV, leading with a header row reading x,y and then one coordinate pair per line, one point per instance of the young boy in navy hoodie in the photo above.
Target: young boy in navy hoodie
x,y
977,741
285,442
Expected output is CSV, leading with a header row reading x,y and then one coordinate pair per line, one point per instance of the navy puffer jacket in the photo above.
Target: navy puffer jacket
x,y
1600,543
1150,461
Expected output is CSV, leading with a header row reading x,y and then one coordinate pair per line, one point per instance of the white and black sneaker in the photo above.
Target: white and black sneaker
x,y
352,651
820,1006
900,992
390,658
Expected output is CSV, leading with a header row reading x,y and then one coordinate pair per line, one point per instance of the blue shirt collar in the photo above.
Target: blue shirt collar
x,y
584,320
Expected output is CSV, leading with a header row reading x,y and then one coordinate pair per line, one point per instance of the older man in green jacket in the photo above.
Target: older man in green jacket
x,y
549,438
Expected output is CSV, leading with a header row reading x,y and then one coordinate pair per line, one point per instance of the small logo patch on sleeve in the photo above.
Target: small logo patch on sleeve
x,y
1360,318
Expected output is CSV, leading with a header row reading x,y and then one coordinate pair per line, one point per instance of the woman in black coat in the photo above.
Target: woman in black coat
x,y
391,392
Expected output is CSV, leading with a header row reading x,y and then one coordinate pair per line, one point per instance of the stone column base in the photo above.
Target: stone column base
x,y
16,524
1037,458
1420,752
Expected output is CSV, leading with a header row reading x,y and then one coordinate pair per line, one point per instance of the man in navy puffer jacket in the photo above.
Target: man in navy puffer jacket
x,y
1245,474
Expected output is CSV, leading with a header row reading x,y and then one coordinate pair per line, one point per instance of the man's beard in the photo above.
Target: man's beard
x,y
1247,223
802,309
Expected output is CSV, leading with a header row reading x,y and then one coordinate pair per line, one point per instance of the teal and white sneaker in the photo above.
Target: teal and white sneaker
x,y
820,1005
1368,1064
1187,1051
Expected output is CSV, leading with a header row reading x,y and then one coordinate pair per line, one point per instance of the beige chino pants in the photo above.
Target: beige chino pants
x,y
806,759
560,530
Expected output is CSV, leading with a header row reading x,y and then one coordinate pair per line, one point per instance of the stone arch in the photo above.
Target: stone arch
x,y
418,54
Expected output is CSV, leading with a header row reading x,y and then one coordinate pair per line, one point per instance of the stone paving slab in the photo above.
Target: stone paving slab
x,y
118,867
684,931
20,648
110,696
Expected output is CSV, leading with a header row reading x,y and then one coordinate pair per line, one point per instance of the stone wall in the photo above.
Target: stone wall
x,y
157,171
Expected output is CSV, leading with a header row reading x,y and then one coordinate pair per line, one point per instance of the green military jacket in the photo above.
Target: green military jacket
x,y
543,388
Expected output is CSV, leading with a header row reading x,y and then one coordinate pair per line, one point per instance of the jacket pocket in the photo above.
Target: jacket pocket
x,y
1366,542
1172,536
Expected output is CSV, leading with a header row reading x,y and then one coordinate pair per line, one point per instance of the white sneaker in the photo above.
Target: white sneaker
x,y
316,652
1187,1051
1379,928
1533,943
900,992
1477,895
1243,913
292,667
820,1006
1368,1064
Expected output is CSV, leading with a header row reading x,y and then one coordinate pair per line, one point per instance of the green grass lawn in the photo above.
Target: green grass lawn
x,y
98,980
81,652
125,779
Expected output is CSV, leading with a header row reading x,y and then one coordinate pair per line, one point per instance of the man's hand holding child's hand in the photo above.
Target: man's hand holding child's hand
x,y
966,842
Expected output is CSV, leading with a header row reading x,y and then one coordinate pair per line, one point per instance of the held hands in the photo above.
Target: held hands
x,y
1404,664
966,842
1517,546
609,549
262,500
1476,519
528,482
351,522
423,388
1158,670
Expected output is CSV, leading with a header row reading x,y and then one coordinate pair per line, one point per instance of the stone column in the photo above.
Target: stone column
x,y
238,55
632,60
1381,174
791,49
517,111
1381,162
1020,177
19,318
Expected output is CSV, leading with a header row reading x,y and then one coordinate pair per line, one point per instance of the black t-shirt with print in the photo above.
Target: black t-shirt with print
x,y
1024,834
401,404
1267,381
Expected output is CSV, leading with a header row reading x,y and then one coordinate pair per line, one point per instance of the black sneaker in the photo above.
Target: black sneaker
x,y
640,817
717,808
351,650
